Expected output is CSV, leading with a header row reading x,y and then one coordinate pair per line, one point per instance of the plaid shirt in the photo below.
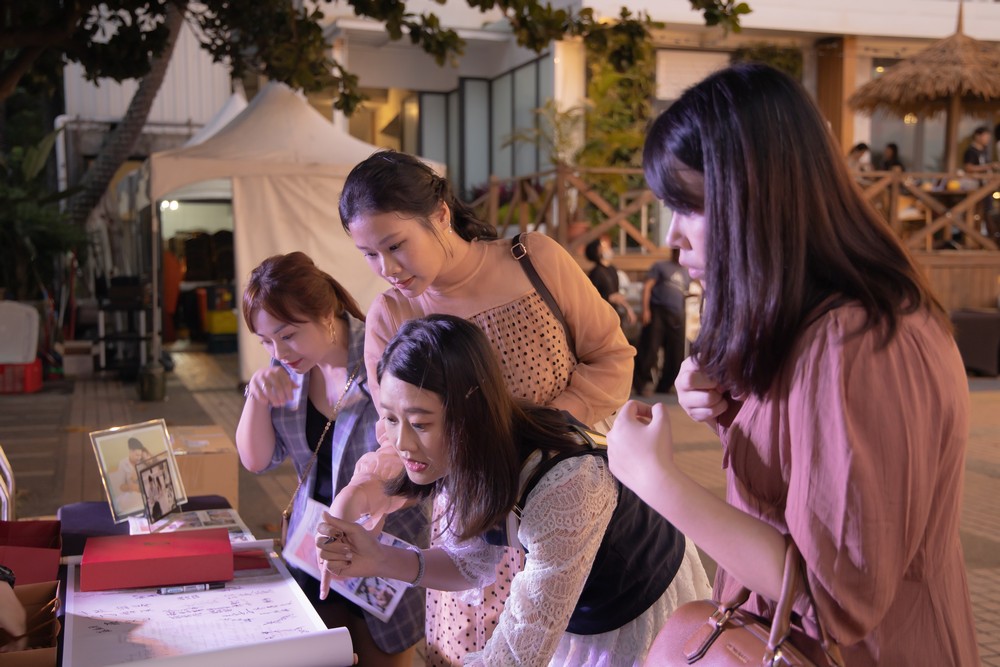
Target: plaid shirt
x,y
353,436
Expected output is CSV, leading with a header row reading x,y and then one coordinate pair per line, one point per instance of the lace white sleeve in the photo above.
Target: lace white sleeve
x,y
475,558
563,524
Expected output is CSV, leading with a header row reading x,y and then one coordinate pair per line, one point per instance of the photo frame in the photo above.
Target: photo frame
x,y
119,450
159,498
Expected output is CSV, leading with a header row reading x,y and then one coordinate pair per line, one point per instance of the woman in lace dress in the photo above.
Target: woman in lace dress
x,y
602,570
439,258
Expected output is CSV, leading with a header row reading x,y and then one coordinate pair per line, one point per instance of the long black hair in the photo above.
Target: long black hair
x,y
392,182
786,226
489,434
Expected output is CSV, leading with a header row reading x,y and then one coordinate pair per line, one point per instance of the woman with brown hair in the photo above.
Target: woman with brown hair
x,y
312,404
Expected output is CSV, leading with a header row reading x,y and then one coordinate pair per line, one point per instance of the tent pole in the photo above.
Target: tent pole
x,y
152,382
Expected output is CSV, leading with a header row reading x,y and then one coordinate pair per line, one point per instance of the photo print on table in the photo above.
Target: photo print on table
x,y
119,451
157,486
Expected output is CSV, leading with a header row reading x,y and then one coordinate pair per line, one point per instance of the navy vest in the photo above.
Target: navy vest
x,y
638,557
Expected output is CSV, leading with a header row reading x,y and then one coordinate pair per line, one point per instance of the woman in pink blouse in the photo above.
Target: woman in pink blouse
x,y
828,370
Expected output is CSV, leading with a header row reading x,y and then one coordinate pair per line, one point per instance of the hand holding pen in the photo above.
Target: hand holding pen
x,y
346,549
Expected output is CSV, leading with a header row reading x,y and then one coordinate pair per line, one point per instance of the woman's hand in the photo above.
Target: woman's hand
x,y
641,448
700,396
346,549
272,385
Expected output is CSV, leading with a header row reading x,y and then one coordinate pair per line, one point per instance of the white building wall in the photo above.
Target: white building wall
x,y
922,19
193,90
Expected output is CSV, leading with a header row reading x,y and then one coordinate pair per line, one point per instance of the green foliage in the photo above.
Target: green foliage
x,y
34,233
557,132
787,59
724,13
275,38
621,87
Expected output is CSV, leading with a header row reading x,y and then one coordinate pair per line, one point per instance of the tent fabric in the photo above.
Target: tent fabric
x,y
287,165
236,103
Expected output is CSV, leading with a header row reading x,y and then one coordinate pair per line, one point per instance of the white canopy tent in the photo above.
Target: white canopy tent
x,y
287,165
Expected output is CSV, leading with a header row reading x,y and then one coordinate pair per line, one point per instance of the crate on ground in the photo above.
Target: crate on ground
x,y
21,378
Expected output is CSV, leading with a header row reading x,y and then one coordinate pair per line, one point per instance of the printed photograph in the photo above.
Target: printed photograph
x,y
120,451
157,488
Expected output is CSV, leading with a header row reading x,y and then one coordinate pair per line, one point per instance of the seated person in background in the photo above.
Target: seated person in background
x,y
606,280
976,159
602,571
860,158
890,158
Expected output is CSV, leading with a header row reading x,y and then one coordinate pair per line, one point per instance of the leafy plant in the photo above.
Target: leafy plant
x,y
786,59
34,233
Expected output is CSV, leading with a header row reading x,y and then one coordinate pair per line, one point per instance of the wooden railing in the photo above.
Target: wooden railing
x,y
942,227
926,216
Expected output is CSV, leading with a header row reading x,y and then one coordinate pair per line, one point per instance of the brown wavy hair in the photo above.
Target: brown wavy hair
x,y
293,289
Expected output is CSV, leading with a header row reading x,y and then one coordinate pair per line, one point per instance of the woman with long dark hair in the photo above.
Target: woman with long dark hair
x,y
827,368
603,571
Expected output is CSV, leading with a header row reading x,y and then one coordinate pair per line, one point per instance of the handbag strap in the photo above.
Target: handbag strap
x,y
781,625
520,253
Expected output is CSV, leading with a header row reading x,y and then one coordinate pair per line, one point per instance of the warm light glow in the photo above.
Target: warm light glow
x,y
173,204
164,205
879,69
910,119
996,195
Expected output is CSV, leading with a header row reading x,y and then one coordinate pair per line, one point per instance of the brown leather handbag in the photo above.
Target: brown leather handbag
x,y
709,634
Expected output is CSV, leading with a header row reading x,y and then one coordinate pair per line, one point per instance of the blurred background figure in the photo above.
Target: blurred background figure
x,y
860,158
608,280
890,158
663,326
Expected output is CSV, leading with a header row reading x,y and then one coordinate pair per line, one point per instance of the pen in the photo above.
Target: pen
x,y
191,588
360,521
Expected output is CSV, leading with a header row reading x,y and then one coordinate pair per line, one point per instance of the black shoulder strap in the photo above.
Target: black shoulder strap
x,y
594,445
520,253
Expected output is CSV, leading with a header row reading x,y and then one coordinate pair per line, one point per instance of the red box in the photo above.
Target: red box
x,y
156,559
21,378
31,549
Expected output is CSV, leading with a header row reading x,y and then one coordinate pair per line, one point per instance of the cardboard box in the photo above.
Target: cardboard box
x,y
41,607
78,358
156,559
207,461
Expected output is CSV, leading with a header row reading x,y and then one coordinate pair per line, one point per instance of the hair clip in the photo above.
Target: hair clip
x,y
472,390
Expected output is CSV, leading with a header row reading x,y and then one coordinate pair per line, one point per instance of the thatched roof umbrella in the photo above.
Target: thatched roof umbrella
x,y
953,75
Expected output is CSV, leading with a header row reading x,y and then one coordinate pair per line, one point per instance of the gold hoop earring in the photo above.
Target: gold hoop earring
x,y
333,333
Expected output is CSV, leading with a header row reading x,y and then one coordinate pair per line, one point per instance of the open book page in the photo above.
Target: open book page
x,y
261,605
377,595
196,520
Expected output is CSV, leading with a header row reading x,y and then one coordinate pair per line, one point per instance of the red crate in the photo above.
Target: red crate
x,y
21,378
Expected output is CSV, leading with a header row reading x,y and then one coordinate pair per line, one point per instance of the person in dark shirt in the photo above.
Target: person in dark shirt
x,y
890,158
605,278
663,325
